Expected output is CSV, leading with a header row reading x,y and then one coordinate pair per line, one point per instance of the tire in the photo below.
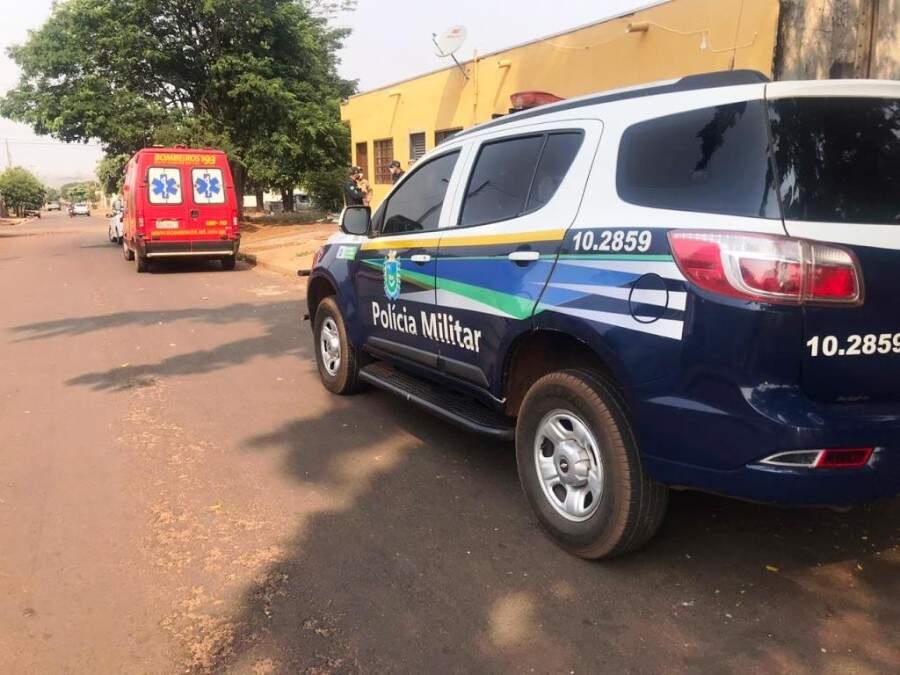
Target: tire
x,y
228,262
127,252
143,263
341,377
574,423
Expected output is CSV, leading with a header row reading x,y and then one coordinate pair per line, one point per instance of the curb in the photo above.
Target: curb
x,y
256,262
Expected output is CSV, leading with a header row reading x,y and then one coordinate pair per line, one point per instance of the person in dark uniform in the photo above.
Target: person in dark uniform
x,y
396,171
353,195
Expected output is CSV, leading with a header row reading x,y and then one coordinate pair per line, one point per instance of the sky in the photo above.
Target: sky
x,y
391,41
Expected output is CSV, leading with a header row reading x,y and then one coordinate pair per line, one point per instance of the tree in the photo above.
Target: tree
x,y
236,74
52,194
79,192
21,190
111,173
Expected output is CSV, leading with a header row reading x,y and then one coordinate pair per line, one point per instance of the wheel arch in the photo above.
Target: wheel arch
x,y
318,288
543,351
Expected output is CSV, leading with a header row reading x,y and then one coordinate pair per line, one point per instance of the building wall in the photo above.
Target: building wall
x,y
683,37
839,38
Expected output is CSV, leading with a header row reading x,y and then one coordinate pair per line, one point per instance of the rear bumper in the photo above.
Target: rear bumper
x,y
717,446
177,249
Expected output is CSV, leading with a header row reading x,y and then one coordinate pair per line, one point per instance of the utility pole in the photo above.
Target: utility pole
x,y
8,155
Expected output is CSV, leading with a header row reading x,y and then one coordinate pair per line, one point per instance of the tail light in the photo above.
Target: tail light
x,y
140,224
833,458
767,268
235,223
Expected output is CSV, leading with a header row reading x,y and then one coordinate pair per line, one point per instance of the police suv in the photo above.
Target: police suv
x,y
691,284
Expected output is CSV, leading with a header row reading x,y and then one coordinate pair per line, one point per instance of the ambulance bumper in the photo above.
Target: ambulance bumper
x,y
175,249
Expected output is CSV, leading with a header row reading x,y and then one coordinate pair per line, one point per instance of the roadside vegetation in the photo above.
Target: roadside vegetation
x,y
21,191
256,78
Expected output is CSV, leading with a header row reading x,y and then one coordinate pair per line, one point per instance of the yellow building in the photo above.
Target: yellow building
x,y
670,39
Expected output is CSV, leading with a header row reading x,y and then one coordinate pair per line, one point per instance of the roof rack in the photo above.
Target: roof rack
x,y
724,78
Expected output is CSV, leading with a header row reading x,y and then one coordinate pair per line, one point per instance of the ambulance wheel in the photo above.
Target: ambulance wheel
x,y
143,263
228,262
336,358
127,252
581,469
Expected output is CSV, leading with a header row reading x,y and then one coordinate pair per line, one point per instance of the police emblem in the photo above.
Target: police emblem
x,y
391,272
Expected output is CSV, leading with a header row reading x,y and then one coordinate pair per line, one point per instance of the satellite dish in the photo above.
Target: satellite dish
x,y
450,41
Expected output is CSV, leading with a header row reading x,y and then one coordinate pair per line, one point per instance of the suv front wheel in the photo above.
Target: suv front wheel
x,y
581,469
336,358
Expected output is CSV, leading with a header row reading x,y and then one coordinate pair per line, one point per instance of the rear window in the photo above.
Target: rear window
x,y
711,160
209,186
164,185
838,158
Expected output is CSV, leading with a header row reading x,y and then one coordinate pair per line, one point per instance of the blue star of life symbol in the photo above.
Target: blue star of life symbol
x,y
207,186
164,186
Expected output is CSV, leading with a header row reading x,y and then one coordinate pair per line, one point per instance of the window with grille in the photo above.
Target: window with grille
x,y
416,146
384,155
445,135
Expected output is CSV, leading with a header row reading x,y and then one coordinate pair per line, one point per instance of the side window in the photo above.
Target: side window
x,y
209,186
164,185
415,206
499,184
712,160
559,153
516,176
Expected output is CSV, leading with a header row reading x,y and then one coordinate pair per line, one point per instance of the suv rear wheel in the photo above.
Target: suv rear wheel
x,y
336,358
581,469
127,252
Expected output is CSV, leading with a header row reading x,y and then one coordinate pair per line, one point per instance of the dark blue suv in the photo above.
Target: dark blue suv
x,y
693,284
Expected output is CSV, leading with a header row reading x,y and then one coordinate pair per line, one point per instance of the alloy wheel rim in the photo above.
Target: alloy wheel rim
x,y
330,346
569,465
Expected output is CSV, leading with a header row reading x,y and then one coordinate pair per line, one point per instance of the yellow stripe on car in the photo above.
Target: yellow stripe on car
x,y
451,239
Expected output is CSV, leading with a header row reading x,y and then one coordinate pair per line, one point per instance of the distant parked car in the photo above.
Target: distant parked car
x,y
54,206
80,209
114,231
32,213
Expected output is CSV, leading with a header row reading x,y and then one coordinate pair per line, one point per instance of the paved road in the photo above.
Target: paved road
x,y
178,492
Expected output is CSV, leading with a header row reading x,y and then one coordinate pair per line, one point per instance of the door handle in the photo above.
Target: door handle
x,y
524,256
420,258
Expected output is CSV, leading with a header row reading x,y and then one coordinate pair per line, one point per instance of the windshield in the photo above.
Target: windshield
x,y
838,158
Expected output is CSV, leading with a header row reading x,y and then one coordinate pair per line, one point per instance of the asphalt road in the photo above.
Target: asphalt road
x,y
178,492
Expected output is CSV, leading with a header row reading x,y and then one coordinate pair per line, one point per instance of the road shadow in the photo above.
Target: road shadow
x,y
191,265
281,335
421,555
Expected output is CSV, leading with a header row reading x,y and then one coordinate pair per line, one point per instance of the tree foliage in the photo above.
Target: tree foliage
x,y
21,190
79,192
111,173
257,78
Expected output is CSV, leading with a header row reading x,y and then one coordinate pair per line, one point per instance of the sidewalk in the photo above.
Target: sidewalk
x,y
283,248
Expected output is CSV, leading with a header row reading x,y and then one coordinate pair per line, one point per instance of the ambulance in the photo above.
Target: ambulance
x,y
179,202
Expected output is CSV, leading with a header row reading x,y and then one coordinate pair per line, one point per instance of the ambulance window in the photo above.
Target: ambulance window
x,y
209,186
499,184
164,185
711,160
415,206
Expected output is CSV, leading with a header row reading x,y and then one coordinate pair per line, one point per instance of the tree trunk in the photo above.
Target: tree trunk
x,y
260,200
287,199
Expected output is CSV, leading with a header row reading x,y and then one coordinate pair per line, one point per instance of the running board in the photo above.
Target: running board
x,y
464,412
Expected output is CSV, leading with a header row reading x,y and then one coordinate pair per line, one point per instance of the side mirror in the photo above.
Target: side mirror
x,y
356,220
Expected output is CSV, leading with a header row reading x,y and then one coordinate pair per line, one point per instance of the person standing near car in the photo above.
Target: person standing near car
x,y
396,171
365,187
353,196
